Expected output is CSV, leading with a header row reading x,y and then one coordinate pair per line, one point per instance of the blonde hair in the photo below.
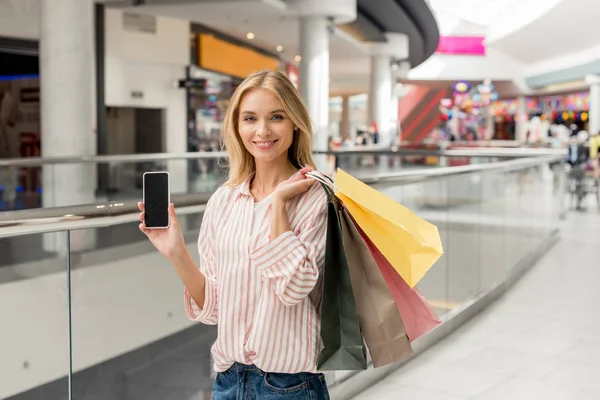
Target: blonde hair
x,y
241,162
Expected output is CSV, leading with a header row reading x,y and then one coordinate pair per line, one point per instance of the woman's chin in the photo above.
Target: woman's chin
x,y
268,156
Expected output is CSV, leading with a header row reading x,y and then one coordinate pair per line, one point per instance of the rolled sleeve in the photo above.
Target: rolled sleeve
x,y
206,315
293,261
284,251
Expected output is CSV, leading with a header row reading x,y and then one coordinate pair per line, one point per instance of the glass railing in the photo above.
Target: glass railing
x,y
90,310
30,183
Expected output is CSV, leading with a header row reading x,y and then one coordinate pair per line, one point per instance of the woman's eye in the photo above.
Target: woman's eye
x,y
248,118
277,117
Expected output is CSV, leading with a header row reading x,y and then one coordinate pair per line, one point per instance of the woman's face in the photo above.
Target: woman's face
x,y
266,130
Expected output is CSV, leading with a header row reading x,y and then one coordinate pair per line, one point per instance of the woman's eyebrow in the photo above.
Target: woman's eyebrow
x,y
277,111
247,112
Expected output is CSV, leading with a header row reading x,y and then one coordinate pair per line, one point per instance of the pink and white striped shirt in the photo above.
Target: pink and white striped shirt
x,y
257,290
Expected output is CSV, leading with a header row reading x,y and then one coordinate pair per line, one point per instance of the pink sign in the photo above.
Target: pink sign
x,y
462,45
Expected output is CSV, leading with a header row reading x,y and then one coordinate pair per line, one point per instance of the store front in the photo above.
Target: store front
x,y
19,121
466,115
541,112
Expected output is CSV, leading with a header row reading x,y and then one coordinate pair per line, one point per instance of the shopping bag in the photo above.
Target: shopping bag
x,y
417,315
380,320
411,244
341,336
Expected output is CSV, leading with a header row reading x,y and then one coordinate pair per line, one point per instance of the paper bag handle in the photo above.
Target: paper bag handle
x,y
325,182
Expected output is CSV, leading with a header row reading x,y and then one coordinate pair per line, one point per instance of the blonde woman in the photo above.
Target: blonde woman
x,y
262,248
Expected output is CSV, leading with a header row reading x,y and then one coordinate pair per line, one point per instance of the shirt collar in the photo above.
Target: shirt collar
x,y
245,185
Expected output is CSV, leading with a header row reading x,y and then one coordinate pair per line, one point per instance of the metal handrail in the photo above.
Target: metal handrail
x,y
43,220
153,157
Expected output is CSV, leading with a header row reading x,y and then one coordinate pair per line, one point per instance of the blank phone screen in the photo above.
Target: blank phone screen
x,y
156,200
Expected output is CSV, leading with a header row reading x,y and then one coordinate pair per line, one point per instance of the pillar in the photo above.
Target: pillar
x,y
314,74
383,108
400,71
315,17
594,111
67,108
521,123
345,120
380,96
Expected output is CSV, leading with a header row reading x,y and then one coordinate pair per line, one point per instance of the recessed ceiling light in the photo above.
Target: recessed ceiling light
x,y
250,35
279,48
298,58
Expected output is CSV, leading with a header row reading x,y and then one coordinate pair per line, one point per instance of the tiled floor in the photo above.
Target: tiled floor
x,y
539,341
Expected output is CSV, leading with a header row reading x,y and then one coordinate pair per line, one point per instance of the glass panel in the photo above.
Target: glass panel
x,y
432,205
463,242
34,346
512,230
131,337
428,199
125,180
493,214
20,188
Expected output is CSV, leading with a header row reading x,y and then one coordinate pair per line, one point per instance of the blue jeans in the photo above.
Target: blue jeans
x,y
243,382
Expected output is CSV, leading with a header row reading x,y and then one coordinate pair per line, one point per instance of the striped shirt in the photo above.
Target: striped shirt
x,y
260,291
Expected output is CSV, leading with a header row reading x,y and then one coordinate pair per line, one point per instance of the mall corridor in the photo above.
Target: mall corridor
x,y
462,139
537,342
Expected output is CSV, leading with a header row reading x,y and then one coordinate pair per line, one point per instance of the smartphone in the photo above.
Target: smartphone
x,y
157,196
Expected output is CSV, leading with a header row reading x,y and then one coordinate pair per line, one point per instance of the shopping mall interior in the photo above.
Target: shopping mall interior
x,y
479,119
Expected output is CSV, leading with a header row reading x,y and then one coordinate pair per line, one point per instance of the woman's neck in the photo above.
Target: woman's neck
x,y
268,176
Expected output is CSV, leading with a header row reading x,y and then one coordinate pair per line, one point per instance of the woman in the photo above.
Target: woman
x,y
262,248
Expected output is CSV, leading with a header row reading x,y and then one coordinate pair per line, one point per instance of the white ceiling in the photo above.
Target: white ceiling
x,y
269,20
481,12
568,27
273,26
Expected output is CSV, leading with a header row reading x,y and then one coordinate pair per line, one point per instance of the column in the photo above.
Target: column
x,y
314,75
594,112
394,140
380,96
67,108
521,124
383,109
345,120
400,71
315,17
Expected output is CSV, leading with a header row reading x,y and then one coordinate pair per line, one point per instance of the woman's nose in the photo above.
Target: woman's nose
x,y
262,129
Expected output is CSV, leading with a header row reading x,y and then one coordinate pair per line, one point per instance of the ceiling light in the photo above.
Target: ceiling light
x,y
298,58
279,48
250,35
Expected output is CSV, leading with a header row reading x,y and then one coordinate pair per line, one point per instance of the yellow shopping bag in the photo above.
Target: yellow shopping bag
x,y
411,244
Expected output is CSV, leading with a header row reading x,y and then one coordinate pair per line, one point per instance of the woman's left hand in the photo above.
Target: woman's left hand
x,y
299,183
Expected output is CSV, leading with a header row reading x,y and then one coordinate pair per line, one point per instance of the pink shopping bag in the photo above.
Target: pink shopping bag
x,y
416,314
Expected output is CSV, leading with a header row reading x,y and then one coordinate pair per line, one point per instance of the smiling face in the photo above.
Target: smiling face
x,y
264,127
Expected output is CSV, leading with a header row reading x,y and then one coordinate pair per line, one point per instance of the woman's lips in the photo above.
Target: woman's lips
x,y
265,144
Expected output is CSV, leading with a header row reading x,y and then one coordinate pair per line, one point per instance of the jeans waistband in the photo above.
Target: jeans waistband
x,y
238,367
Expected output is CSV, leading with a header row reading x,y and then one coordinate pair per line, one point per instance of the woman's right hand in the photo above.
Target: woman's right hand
x,y
168,241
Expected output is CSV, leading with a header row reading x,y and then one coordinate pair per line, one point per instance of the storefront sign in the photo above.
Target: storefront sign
x,y
462,45
461,87
30,95
133,22
227,58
